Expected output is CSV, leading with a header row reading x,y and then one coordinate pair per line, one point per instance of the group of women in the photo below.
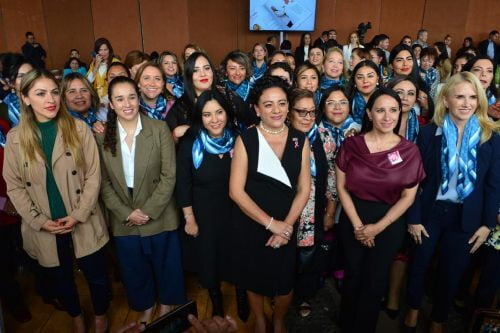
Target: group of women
x,y
240,174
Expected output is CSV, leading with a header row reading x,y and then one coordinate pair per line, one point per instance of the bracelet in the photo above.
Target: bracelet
x,y
269,224
187,215
328,215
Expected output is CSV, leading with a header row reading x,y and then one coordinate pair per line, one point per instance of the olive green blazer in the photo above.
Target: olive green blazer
x,y
154,181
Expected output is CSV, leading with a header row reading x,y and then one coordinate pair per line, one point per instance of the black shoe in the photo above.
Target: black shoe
x,y
393,314
216,298
242,304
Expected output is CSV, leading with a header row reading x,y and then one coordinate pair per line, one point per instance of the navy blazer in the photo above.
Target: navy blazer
x,y
481,206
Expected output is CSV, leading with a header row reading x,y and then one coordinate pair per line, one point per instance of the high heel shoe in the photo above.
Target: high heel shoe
x,y
242,304
216,298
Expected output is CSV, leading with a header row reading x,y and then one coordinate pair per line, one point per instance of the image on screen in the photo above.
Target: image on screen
x,y
282,15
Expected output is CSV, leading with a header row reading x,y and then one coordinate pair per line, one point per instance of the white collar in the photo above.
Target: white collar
x,y
123,133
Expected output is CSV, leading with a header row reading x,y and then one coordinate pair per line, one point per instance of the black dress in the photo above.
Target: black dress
x,y
263,269
206,189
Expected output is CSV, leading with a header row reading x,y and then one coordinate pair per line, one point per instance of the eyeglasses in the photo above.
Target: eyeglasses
x,y
305,113
335,104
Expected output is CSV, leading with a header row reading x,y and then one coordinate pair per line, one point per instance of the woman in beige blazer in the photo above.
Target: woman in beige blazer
x,y
138,180
52,173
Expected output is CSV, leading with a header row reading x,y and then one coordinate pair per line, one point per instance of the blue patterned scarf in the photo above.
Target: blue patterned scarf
x,y
178,85
429,77
242,90
412,126
465,159
338,133
258,72
491,98
358,107
3,138
157,111
12,102
90,117
311,136
326,83
205,143
317,97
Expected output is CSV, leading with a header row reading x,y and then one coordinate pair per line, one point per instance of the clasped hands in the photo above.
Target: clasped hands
x,y
366,233
60,226
137,217
282,232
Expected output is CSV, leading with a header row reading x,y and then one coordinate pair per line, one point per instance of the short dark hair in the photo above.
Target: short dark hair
x,y
270,38
119,64
468,67
363,63
240,58
101,41
325,96
28,33
367,124
401,78
493,32
264,83
283,65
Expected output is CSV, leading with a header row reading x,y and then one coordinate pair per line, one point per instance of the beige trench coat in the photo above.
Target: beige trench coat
x,y
79,190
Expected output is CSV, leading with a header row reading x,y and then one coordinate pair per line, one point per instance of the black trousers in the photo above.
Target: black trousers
x,y
94,269
366,269
445,231
10,291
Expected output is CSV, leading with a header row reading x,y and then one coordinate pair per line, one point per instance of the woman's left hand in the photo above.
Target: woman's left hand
x,y
368,231
276,241
99,127
68,222
479,238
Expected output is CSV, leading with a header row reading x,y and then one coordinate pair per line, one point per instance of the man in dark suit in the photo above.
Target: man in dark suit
x,y
321,41
489,47
271,45
33,51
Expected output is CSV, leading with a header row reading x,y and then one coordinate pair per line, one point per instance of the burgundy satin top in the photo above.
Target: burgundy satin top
x,y
382,176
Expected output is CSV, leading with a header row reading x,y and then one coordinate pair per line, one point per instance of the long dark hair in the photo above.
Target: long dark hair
x,y
367,123
101,41
11,62
402,47
203,99
468,68
351,90
111,125
303,37
188,76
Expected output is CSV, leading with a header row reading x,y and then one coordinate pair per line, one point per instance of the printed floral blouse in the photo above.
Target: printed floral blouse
x,y
305,234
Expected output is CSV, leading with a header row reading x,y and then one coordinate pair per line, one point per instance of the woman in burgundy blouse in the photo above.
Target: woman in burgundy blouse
x,y
377,177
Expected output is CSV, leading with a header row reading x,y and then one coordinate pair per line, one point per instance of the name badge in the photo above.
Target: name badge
x,y
394,157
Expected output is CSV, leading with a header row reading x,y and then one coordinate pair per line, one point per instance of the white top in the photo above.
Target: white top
x,y
103,67
128,155
306,53
269,164
347,50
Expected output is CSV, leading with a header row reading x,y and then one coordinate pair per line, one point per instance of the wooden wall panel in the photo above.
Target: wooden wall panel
x,y
164,25
213,25
349,13
401,18
118,21
74,29
445,17
19,17
483,17
3,41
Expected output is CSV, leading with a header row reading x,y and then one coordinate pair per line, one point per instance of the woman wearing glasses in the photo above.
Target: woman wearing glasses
x,y
317,216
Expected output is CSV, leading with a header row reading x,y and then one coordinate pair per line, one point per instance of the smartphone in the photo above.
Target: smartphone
x,y
93,54
175,321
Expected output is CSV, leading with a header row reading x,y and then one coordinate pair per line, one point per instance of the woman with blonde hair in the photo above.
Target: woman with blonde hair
x,y
334,69
457,204
53,175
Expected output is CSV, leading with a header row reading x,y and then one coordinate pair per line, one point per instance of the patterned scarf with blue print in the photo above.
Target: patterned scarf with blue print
x,y
12,102
155,112
90,117
177,85
205,143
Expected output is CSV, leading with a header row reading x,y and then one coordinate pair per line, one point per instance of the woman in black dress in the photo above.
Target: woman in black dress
x,y
270,184
203,164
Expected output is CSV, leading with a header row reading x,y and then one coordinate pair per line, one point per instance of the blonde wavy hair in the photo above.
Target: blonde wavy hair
x,y
335,49
29,134
488,126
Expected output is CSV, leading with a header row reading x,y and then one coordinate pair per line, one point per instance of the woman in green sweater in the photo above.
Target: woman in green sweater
x,y
52,173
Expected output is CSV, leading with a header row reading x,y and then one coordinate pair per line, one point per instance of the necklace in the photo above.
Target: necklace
x,y
267,130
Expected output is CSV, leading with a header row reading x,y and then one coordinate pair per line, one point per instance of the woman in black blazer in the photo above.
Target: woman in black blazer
x,y
302,51
458,202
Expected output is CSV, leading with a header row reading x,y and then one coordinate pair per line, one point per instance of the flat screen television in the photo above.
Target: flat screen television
x,y
282,15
